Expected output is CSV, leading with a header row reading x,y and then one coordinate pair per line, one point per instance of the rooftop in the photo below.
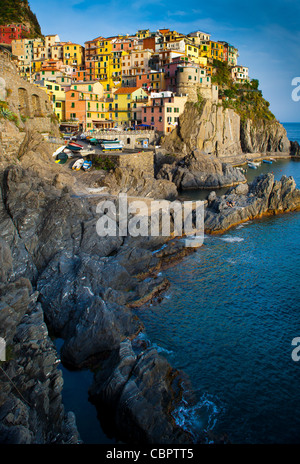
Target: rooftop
x,y
126,90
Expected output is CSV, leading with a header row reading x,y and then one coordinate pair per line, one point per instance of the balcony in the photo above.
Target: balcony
x,y
140,100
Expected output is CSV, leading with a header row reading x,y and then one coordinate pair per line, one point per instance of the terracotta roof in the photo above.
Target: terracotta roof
x,y
126,90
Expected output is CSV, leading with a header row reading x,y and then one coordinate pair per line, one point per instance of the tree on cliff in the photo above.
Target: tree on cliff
x,y
18,11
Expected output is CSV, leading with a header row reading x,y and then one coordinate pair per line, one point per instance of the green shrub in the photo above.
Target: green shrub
x,y
104,164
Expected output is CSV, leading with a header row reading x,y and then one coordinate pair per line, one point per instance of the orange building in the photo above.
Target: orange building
x,y
75,107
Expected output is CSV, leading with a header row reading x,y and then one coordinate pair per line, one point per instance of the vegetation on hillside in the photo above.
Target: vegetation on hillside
x,y
246,99
6,113
18,11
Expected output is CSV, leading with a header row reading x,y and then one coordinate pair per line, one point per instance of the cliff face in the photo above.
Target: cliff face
x,y
57,274
263,137
221,132
207,127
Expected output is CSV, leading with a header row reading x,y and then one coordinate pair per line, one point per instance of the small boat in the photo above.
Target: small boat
x,y
112,147
59,150
68,152
273,159
94,141
74,146
61,158
87,165
252,165
267,161
78,164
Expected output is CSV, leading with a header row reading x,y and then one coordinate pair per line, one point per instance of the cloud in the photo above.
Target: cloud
x,y
177,13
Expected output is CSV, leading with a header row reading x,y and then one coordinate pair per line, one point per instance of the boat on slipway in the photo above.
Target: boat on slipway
x,y
78,164
59,150
61,158
267,161
87,165
74,146
111,145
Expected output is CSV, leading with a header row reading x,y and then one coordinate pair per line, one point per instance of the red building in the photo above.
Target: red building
x,y
11,32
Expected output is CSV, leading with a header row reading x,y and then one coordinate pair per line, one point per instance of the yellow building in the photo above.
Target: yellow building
x,y
57,97
205,50
216,50
96,102
143,33
128,102
105,63
73,54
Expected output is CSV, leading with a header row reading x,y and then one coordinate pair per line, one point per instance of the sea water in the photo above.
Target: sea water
x,y
228,320
231,313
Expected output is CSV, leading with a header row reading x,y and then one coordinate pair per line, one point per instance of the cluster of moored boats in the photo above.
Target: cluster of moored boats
x,y
65,152
73,149
104,144
255,165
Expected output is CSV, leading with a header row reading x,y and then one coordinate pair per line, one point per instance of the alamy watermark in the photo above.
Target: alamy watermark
x,y
296,351
2,349
152,218
296,91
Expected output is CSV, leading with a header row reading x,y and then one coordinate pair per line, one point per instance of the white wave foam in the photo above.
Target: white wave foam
x,y
232,239
160,349
199,418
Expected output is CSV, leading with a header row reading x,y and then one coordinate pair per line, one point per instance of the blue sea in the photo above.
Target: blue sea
x,y
228,321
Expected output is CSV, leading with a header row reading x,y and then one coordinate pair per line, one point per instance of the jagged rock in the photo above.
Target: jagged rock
x,y
264,136
140,393
214,130
200,170
132,182
295,149
31,410
221,133
263,196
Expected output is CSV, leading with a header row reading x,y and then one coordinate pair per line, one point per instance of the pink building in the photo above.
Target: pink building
x,y
164,111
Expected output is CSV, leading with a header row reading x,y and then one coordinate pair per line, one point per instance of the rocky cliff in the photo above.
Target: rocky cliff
x,y
220,132
80,287
59,278
264,196
208,127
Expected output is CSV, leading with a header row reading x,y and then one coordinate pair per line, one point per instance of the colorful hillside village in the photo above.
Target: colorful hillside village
x,y
125,81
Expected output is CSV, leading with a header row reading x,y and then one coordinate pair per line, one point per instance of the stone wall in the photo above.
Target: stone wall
x,y
141,161
27,101
130,139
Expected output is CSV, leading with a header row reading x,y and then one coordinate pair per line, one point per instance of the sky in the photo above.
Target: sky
x,y
266,33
